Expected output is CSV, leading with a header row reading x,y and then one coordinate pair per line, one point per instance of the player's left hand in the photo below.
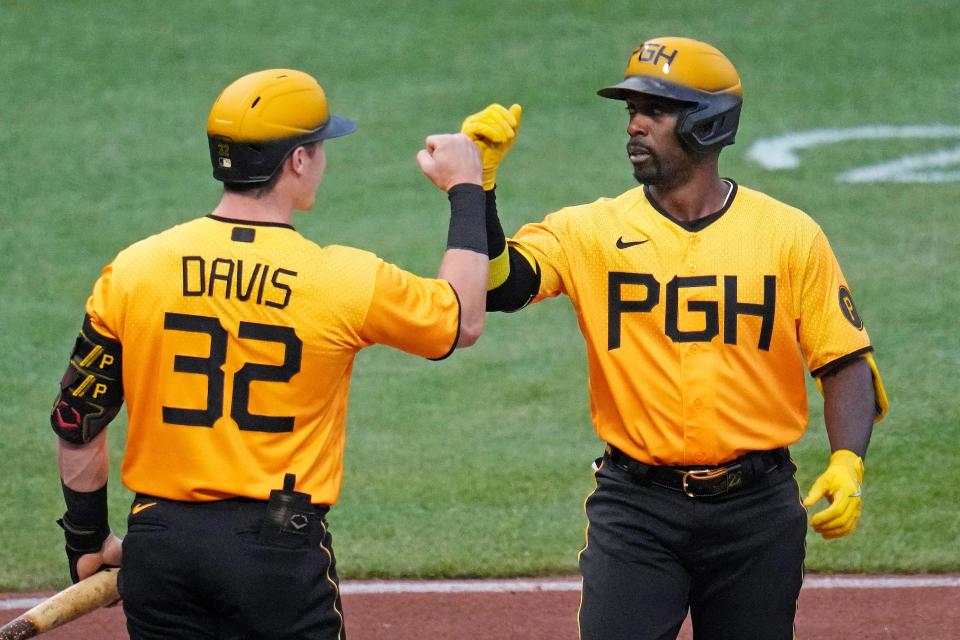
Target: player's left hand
x,y
494,130
841,485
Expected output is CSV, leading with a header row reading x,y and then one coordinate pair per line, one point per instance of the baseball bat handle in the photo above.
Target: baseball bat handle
x,y
90,594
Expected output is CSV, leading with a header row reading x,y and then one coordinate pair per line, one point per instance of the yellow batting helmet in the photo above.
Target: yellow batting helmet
x,y
691,72
259,119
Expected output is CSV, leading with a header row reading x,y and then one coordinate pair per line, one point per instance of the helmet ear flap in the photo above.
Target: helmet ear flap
x,y
710,124
246,162
253,162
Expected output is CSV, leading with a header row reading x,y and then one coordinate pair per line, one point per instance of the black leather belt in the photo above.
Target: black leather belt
x,y
703,481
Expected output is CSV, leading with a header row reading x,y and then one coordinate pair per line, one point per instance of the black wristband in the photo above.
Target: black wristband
x,y
467,227
496,241
87,509
84,525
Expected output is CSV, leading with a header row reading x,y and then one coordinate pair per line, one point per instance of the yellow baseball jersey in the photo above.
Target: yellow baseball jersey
x,y
238,343
692,335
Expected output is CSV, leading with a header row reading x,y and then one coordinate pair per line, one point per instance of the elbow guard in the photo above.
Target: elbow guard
x,y
518,287
91,391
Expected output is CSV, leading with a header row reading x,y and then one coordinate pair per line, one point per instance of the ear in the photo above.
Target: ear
x,y
297,159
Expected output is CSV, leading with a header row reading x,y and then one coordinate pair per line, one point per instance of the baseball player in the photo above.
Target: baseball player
x,y
692,293
232,338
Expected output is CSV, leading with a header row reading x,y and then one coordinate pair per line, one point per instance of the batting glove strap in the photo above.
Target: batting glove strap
x,y
80,541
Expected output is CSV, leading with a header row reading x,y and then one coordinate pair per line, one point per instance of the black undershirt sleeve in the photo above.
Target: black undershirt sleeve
x,y
522,284
466,228
496,241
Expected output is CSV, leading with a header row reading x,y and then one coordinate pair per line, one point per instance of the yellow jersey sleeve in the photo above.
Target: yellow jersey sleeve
x,y
829,325
103,307
541,242
417,315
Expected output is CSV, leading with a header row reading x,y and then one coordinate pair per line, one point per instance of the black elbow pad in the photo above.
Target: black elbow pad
x,y
91,391
520,287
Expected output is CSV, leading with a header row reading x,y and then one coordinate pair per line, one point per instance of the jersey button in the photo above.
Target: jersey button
x,y
699,457
694,348
698,404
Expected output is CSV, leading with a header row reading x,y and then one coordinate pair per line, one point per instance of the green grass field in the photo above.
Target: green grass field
x,y
477,466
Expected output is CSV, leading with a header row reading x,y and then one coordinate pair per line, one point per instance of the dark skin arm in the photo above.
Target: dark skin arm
x,y
849,406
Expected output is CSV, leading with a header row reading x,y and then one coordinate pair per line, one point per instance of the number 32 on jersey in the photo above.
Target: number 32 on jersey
x,y
211,367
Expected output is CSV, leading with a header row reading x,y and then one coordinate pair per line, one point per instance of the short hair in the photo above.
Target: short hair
x,y
254,189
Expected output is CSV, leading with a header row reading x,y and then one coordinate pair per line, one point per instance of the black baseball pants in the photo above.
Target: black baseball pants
x,y
201,571
734,561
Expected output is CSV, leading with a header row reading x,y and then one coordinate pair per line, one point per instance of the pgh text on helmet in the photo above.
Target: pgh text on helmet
x,y
691,72
260,118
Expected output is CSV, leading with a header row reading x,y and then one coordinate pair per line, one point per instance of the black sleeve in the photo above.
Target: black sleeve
x,y
518,289
466,225
522,284
496,242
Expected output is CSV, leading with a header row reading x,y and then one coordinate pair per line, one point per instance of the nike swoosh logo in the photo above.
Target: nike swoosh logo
x,y
626,245
137,508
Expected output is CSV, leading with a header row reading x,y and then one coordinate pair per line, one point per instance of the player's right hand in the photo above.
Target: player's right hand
x,y
494,130
450,159
109,555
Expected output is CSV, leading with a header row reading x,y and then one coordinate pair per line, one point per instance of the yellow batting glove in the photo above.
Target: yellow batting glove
x,y
840,484
494,130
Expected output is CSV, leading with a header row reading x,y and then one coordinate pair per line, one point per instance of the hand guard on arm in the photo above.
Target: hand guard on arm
x,y
841,485
85,526
494,130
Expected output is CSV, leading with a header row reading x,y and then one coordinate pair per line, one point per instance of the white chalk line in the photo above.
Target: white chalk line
x,y
780,152
380,587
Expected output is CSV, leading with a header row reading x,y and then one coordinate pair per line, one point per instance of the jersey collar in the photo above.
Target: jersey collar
x,y
249,223
700,223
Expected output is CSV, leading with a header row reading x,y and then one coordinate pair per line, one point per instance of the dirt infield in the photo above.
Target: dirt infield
x,y
865,609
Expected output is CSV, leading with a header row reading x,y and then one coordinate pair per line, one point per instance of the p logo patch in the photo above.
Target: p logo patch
x,y
848,309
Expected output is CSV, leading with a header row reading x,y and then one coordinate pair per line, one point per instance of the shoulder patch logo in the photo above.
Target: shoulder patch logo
x,y
849,311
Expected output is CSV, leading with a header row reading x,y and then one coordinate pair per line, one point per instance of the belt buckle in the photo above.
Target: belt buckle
x,y
701,474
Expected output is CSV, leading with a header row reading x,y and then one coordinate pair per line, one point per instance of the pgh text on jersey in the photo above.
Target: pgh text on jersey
x,y
710,310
